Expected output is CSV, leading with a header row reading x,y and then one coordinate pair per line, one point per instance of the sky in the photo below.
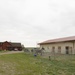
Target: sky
x,y
34,21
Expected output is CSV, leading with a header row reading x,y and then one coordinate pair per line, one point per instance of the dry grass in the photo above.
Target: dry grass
x,y
27,64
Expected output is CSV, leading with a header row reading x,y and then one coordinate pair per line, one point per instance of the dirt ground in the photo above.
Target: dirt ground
x,y
11,52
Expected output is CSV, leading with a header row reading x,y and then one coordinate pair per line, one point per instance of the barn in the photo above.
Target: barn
x,y
65,45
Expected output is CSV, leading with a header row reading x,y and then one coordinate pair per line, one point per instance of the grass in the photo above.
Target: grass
x,y
25,64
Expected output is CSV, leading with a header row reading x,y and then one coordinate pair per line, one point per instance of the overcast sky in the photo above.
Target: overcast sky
x,y
34,21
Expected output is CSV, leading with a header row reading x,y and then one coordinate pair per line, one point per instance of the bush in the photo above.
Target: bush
x,y
0,50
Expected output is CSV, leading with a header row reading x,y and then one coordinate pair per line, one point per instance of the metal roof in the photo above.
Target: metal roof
x,y
71,38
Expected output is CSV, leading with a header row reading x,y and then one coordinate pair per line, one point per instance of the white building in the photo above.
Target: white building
x,y
61,45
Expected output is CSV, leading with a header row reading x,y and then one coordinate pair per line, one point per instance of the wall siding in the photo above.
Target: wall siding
x,y
48,47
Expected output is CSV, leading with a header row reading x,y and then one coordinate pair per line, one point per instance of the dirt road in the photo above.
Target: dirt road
x,y
11,52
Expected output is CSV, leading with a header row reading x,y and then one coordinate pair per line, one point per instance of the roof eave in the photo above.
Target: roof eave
x,y
55,42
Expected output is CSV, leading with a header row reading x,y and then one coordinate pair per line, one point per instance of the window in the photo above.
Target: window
x,y
43,48
53,49
71,50
47,47
59,49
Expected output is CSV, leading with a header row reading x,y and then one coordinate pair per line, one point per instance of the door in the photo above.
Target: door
x,y
67,50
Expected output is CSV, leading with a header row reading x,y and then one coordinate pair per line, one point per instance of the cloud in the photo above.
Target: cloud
x,y
31,21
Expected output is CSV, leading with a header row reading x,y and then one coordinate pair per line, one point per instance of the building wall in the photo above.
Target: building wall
x,y
5,45
71,45
74,47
